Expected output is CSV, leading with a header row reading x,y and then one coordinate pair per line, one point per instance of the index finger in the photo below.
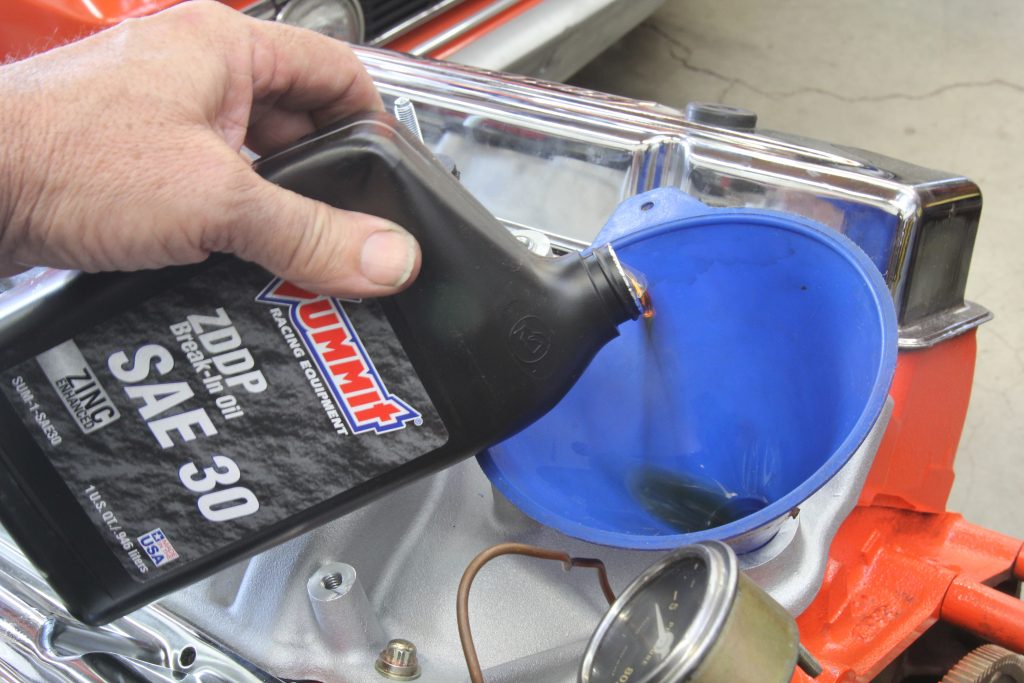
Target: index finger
x,y
300,70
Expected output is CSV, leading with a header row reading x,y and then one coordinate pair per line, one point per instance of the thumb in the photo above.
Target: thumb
x,y
321,248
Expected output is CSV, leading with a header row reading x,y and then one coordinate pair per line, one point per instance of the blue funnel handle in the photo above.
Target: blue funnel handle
x,y
652,208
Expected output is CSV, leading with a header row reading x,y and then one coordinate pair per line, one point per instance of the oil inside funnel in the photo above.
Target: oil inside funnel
x,y
689,503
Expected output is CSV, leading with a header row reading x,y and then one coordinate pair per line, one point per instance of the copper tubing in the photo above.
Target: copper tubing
x,y
994,616
462,601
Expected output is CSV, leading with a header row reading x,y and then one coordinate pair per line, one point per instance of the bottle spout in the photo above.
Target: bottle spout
x,y
630,286
641,291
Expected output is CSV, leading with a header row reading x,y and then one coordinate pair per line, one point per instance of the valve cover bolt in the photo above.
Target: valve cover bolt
x,y
398,661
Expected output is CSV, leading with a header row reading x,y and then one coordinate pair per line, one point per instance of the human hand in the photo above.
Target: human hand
x,y
122,152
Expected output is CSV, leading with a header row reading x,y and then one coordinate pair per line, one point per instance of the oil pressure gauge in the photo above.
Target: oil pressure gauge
x,y
693,616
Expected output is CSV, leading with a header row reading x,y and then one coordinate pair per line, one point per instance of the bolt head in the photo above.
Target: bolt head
x,y
397,661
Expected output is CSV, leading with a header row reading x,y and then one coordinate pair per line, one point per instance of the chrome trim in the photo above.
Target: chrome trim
x,y
21,293
277,10
264,9
415,21
929,331
559,141
461,28
67,639
287,7
555,38
40,641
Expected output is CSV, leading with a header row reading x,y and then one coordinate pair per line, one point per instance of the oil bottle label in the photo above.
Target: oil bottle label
x,y
220,407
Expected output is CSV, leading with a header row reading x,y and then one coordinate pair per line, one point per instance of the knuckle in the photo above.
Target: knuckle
x,y
198,16
198,9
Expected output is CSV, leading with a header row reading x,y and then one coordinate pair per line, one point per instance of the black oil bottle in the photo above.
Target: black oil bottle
x,y
158,426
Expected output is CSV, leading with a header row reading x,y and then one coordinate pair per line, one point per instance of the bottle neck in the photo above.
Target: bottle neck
x,y
623,292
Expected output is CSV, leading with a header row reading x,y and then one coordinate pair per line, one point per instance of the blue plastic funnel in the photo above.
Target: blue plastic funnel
x,y
767,362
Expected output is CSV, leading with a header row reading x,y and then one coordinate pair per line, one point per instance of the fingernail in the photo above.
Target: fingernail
x,y
388,257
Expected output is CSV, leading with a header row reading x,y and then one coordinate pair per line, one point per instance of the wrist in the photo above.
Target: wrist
x,y
18,125
11,154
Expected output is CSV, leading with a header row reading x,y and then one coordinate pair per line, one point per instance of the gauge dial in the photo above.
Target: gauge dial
x,y
664,621
686,618
645,632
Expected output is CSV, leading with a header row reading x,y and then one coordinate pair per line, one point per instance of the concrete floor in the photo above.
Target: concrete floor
x,y
939,84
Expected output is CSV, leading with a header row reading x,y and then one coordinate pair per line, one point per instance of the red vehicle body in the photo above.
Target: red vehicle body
x,y
551,38
902,564
30,26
